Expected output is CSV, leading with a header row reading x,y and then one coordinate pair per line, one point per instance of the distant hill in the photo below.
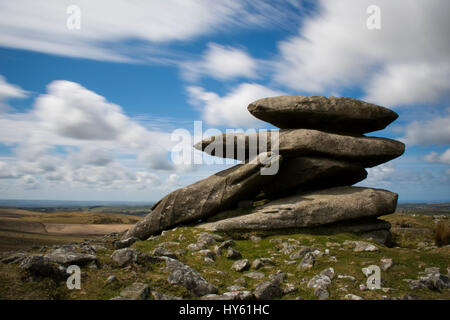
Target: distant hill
x,y
424,208
71,204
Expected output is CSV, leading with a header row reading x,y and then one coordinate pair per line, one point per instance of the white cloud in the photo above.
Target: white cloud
x,y
436,157
91,155
76,137
74,112
9,91
410,84
230,110
30,182
221,62
404,62
172,181
380,175
433,132
41,26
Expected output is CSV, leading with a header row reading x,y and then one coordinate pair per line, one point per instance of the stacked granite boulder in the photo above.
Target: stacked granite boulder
x,y
321,152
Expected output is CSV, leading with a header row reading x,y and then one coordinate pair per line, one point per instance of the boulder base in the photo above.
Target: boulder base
x,y
312,209
205,197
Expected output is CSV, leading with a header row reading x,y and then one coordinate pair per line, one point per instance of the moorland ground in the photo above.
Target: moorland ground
x,y
415,251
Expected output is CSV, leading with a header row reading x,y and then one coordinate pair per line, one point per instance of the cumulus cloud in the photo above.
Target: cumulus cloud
x,y
221,62
172,181
231,109
91,155
433,132
74,136
404,62
380,175
74,112
407,84
9,91
38,26
440,158
30,182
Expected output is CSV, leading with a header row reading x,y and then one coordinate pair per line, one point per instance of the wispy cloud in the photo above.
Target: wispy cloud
x,y
432,132
405,62
231,109
145,26
9,91
221,62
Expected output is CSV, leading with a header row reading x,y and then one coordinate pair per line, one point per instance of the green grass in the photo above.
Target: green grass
x,y
408,262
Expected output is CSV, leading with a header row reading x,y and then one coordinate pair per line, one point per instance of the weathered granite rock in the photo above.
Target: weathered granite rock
x,y
320,283
337,114
189,278
312,209
368,151
240,265
42,267
386,263
268,290
233,253
254,275
125,256
163,252
125,243
206,197
360,246
136,291
67,258
351,296
161,296
261,262
307,262
233,295
309,173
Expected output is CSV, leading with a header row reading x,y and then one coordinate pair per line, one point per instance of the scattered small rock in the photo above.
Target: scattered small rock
x,y
189,278
136,291
66,258
125,256
125,243
268,290
261,262
289,288
254,275
233,253
235,287
352,297
240,265
160,296
112,278
307,262
321,282
386,263
162,252
255,239
346,277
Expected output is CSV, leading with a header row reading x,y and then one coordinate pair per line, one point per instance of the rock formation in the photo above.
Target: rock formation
x,y
320,152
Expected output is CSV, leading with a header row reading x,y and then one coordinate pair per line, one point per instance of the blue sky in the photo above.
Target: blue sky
x,y
88,113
